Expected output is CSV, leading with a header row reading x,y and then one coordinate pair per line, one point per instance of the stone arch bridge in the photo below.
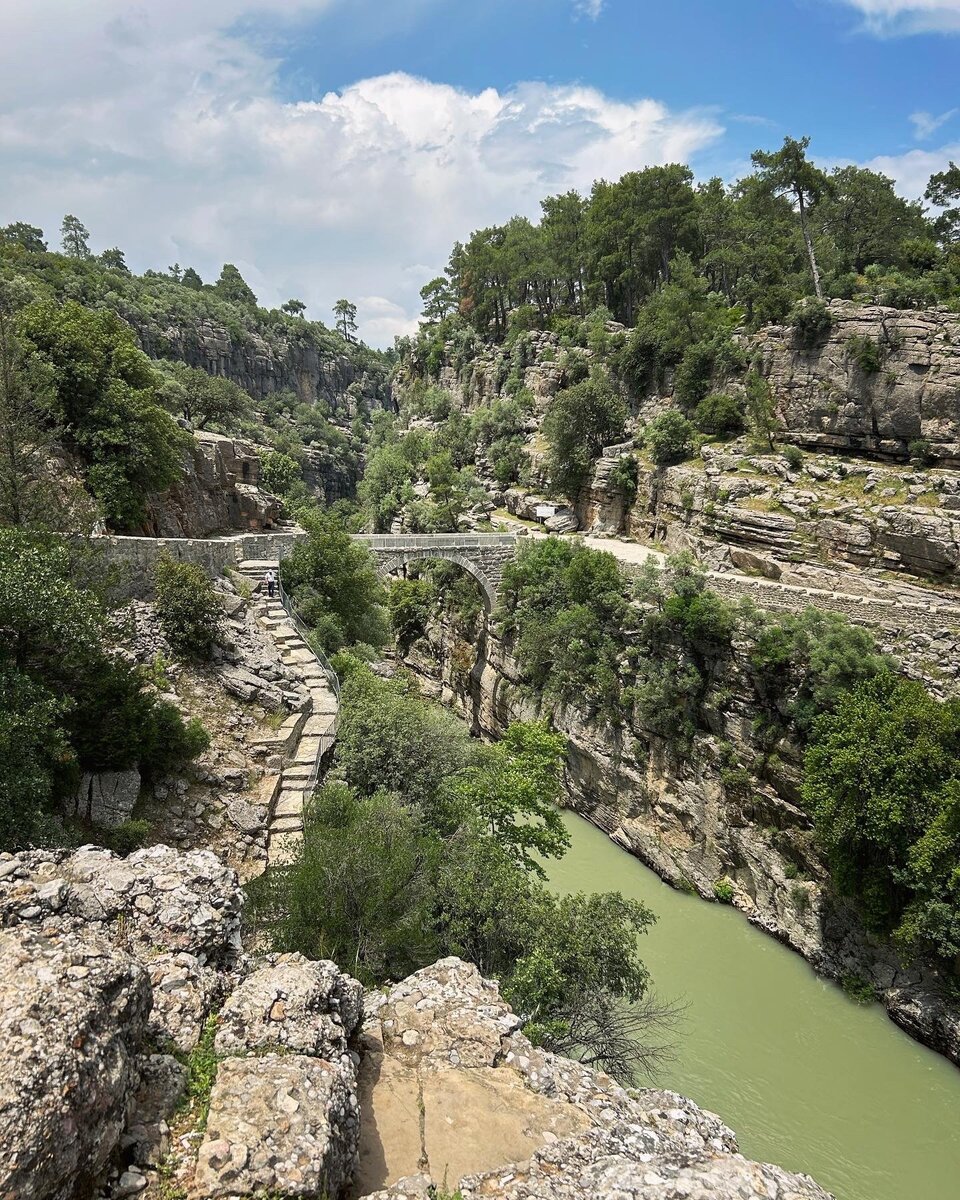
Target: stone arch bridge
x,y
482,555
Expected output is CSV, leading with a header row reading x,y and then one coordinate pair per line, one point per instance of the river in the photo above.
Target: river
x,y
808,1078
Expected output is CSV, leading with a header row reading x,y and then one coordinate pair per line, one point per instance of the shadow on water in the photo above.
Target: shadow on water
x,y
807,1078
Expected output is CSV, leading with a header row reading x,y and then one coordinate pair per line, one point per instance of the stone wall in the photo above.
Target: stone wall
x,y
134,558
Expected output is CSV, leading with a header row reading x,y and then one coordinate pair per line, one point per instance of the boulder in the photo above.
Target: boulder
x,y
279,1125
294,1004
107,799
72,1012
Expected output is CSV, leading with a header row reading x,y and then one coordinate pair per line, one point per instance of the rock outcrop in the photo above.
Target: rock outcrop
x,y
312,365
111,970
219,492
832,396
500,1118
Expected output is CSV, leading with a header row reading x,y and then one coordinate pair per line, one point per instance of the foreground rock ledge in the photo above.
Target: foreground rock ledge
x,y
319,1091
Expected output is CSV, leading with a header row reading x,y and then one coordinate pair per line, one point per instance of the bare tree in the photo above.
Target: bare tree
x,y
626,1040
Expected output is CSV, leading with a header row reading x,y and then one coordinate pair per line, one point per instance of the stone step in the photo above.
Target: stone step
x,y
307,751
290,804
318,725
284,847
300,654
297,773
285,739
325,702
268,789
286,825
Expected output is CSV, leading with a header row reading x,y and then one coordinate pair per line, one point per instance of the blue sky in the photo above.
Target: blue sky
x,y
338,147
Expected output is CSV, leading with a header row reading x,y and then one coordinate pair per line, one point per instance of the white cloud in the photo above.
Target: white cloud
x,y
911,171
909,16
589,8
925,124
161,128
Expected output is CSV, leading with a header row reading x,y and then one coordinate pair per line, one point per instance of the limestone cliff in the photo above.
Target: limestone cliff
x,y
263,361
123,982
219,492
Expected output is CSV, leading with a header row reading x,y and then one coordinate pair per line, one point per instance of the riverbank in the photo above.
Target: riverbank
x,y
808,1077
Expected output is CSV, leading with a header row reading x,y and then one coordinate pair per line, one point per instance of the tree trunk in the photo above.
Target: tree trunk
x,y
808,240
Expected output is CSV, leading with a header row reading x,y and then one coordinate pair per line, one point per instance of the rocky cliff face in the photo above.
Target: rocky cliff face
x,y
678,816
264,362
124,982
219,492
833,396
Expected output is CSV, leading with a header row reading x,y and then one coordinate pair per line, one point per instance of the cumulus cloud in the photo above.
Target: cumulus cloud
x,y
589,8
161,127
925,124
911,171
893,17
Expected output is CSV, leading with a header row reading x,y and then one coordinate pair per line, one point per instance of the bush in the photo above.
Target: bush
x,y
811,321
866,354
566,607
410,603
580,421
882,779
335,586
669,438
361,890
719,414
920,452
187,605
794,457
723,890
278,472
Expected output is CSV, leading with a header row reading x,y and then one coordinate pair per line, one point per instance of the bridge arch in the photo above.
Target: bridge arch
x,y
483,556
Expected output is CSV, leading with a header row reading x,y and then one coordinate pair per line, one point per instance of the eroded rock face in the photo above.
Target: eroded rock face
x,y
107,799
500,1118
283,1125
178,913
219,492
73,1009
828,400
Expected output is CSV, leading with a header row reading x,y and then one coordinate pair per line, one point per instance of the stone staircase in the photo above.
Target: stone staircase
x,y
305,737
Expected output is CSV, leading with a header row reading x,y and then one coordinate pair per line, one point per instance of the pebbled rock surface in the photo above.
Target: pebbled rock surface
x,y
293,1004
279,1125
73,1008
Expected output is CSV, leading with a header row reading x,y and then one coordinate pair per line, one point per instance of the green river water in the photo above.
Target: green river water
x,y
806,1077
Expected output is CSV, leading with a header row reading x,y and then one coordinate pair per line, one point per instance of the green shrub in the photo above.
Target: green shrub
x,y
579,422
866,353
882,779
278,472
669,438
187,605
920,452
334,583
794,457
723,890
410,602
811,321
129,836
719,414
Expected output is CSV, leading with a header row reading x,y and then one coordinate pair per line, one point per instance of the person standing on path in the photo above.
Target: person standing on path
x,y
271,580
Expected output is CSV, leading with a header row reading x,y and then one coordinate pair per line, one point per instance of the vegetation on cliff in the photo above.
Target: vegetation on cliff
x,y
67,704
